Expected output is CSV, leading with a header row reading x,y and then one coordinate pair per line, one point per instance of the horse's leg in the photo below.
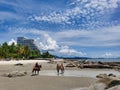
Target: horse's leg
x,y
33,71
58,71
62,70
38,72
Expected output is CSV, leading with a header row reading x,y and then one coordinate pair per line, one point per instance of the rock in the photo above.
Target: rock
x,y
112,75
110,80
113,83
84,88
99,62
97,66
19,64
97,86
105,82
15,74
71,65
114,88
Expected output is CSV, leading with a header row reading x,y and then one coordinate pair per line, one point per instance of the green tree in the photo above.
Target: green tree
x,y
26,51
5,50
47,55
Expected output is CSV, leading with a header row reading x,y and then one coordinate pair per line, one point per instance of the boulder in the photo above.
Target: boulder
x,y
97,66
110,80
105,82
71,65
97,86
114,88
15,74
19,64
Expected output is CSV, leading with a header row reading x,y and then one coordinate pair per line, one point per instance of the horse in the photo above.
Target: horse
x,y
60,67
36,69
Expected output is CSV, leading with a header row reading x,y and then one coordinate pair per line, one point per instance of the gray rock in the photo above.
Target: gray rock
x,y
114,88
15,74
19,64
110,80
97,86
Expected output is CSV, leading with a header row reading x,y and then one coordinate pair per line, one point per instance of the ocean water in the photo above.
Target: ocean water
x,y
80,73
106,60
101,59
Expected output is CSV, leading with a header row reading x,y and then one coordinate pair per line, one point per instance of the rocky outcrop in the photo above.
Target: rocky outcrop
x,y
96,65
110,80
105,82
97,86
115,88
15,74
71,65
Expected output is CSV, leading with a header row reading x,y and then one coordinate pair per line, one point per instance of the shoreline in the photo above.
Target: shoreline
x,y
22,62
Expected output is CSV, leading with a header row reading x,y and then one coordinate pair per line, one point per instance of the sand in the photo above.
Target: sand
x,y
43,83
39,82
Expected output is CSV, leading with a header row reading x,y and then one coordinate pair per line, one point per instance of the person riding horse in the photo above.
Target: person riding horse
x,y
36,68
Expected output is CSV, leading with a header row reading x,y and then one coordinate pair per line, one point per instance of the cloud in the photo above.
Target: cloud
x,y
47,43
62,42
8,16
107,55
65,50
85,13
12,41
53,17
105,37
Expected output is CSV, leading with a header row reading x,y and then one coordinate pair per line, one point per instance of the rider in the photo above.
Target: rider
x,y
36,68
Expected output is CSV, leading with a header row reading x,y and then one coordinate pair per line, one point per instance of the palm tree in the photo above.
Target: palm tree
x,y
26,51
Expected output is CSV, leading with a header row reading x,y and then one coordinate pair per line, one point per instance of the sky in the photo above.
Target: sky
x,y
81,28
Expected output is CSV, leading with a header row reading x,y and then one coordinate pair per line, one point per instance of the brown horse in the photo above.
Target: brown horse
x,y
60,67
36,69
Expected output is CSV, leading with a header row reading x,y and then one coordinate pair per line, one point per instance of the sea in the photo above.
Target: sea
x,y
80,73
85,72
100,59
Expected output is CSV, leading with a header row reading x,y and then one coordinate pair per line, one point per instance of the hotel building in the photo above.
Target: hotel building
x,y
29,42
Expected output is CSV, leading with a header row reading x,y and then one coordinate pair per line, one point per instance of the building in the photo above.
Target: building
x,y
29,42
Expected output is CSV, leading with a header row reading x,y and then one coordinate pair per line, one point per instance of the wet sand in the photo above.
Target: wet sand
x,y
44,83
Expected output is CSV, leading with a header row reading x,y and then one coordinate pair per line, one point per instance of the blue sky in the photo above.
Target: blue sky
x,y
86,28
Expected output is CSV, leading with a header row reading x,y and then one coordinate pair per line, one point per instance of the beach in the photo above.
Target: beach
x,y
43,83
47,79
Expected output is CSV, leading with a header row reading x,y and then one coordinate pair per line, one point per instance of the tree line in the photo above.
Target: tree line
x,y
20,52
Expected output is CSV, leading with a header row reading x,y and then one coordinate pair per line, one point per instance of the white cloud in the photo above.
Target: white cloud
x,y
53,17
9,15
104,37
101,37
65,50
107,55
82,8
46,43
62,41
12,41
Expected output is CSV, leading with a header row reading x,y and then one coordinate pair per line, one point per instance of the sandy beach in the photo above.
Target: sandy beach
x,y
42,81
